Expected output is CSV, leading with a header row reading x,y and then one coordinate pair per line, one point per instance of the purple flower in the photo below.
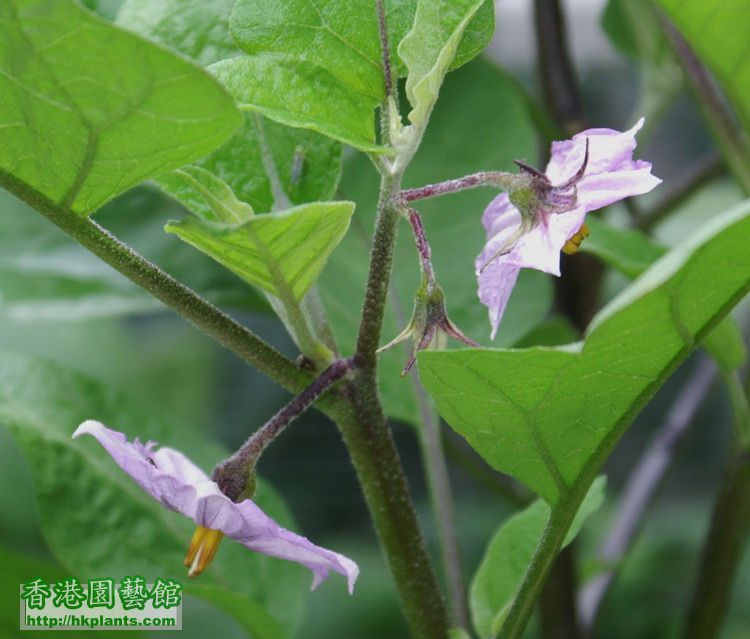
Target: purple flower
x,y
528,229
172,479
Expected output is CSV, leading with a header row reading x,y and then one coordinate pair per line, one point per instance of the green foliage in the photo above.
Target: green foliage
x,y
718,33
551,416
430,47
631,252
81,128
477,99
509,552
306,165
196,28
97,521
281,253
318,65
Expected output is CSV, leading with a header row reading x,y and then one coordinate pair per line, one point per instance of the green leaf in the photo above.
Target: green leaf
x,y
312,64
476,99
317,65
195,28
281,253
631,252
551,416
300,94
97,521
308,165
508,554
429,49
209,197
79,127
718,33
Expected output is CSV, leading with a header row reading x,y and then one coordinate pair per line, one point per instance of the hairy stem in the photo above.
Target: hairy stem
x,y
181,299
233,473
371,446
497,179
641,488
732,139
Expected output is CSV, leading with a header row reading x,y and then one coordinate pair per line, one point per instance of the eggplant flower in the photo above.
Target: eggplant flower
x,y
177,483
530,226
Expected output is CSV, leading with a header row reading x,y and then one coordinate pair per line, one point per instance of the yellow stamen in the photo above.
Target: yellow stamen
x,y
203,547
573,244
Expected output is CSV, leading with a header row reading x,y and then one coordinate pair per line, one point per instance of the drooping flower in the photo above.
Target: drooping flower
x,y
529,228
175,481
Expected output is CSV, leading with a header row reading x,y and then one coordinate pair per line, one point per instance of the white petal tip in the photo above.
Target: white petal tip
x,y
87,428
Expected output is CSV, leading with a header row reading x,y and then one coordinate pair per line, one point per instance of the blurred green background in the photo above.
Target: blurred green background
x,y
58,303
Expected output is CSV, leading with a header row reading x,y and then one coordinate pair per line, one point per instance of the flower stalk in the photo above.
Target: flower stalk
x,y
235,475
497,179
429,318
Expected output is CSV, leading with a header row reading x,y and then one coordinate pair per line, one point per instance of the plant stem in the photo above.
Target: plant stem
x,y
557,606
640,490
371,446
559,81
731,138
497,179
233,473
184,301
559,523
385,49
441,497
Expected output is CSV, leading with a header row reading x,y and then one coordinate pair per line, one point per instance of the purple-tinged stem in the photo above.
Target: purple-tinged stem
x,y
423,246
233,473
385,49
497,179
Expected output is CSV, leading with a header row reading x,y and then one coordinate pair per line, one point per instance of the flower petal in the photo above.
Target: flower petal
x,y
609,150
175,481
500,216
597,191
263,534
496,282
